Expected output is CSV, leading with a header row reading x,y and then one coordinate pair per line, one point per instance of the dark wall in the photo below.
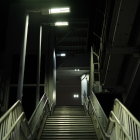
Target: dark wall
x,y
65,90
65,96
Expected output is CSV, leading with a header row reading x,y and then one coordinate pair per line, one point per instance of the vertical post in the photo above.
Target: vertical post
x,y
38,68
22,61
50,76
91,72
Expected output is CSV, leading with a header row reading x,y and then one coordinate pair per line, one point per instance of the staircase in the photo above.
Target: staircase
x,y
68,122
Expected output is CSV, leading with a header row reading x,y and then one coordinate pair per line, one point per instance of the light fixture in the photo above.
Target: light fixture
x,y
77,70
59,10
76,96
61,23
61,54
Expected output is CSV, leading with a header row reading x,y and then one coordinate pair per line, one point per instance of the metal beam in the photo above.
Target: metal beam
x,y
122,21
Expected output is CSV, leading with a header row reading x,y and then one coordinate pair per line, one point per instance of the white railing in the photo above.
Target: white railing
x,y
98,115
103,120
12,124
116,130
127,120
122,125
38,114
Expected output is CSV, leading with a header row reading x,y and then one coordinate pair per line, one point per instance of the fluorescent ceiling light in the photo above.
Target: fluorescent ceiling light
x,y
61,23
59,10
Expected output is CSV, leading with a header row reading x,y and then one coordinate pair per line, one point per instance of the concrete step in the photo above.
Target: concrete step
x,y
68,123
85,137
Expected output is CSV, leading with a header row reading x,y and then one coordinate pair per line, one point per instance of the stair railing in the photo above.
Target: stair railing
x,y
13,123
127,120
116,130
41,110
98,114
121,125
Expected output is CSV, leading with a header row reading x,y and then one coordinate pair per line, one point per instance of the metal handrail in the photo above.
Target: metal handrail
x,y
106,135
14,125
128,112
31,118
11,122
118,129
122,125
38,114
7,113
101,109
127,120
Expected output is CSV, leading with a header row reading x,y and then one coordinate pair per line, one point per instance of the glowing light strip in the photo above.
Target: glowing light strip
x,y
61,24
59,10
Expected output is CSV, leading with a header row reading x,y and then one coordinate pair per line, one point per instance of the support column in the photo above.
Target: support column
x,y
38,68
51,67
22,61
91,72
